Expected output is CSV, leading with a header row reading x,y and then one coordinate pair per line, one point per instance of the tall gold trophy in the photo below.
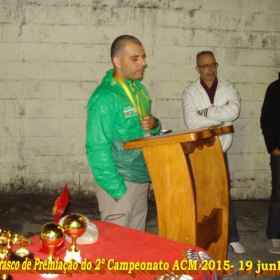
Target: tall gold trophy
x,y
75,226
51,235
58,209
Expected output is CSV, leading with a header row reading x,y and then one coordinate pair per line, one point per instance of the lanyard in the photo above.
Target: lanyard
x,y
128,93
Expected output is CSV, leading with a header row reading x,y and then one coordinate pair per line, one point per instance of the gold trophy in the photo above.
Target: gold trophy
x,y
21,253
75,226
51,235
5,239
4,256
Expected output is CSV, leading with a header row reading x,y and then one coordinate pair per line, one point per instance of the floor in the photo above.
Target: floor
x,y
25,214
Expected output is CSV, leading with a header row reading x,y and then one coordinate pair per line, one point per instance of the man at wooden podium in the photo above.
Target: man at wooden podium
x,y
212,100
119,111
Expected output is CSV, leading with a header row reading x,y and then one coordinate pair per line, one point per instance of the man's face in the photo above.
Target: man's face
x,y
131,65
207,74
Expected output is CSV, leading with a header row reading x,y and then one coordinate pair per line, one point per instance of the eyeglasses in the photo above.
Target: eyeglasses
x,y
207,66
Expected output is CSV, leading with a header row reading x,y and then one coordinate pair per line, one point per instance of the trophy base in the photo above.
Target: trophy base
x,y
49,275
57,250
15,257
73,255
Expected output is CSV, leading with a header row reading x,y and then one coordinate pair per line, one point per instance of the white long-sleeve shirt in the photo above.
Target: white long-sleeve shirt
x,y
195,98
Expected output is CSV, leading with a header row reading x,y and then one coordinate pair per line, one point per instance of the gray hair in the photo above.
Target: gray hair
x,y
202,53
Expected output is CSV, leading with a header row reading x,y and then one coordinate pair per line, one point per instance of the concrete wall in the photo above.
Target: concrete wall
x,y
54,53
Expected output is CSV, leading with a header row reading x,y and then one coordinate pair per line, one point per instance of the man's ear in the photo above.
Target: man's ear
x,y
117,61
197,69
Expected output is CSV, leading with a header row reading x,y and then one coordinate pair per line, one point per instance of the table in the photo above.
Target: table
x,y
118,244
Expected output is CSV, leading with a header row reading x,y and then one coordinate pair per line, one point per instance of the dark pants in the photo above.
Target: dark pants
x,y
233,232
273,223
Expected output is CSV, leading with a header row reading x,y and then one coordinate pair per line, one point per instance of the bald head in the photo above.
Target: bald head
x,y
118,45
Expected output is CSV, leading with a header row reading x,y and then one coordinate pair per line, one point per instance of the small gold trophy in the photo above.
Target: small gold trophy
x,y
4,256
75,226
21,253
5,239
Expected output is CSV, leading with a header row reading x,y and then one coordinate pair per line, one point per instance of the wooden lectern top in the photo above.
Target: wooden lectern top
x,y
183,136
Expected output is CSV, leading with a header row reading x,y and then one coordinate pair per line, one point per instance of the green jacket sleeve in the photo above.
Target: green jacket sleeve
x,y
99,138
157,129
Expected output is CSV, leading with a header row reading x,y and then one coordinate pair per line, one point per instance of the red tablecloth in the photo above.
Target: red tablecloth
x,y
121,245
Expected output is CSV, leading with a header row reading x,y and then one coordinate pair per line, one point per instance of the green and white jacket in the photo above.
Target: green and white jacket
x,y
111,121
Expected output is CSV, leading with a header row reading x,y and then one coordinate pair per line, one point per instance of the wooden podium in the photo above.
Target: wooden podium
x,y
190,184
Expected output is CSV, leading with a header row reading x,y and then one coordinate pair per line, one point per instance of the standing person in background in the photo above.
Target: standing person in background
x,y
270,124
212,100
119,111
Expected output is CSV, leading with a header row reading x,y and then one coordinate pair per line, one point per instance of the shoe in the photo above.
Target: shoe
x,y
273,246
237,247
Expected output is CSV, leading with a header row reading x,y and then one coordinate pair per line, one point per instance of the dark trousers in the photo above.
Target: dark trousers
x,y
233,232
273,223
